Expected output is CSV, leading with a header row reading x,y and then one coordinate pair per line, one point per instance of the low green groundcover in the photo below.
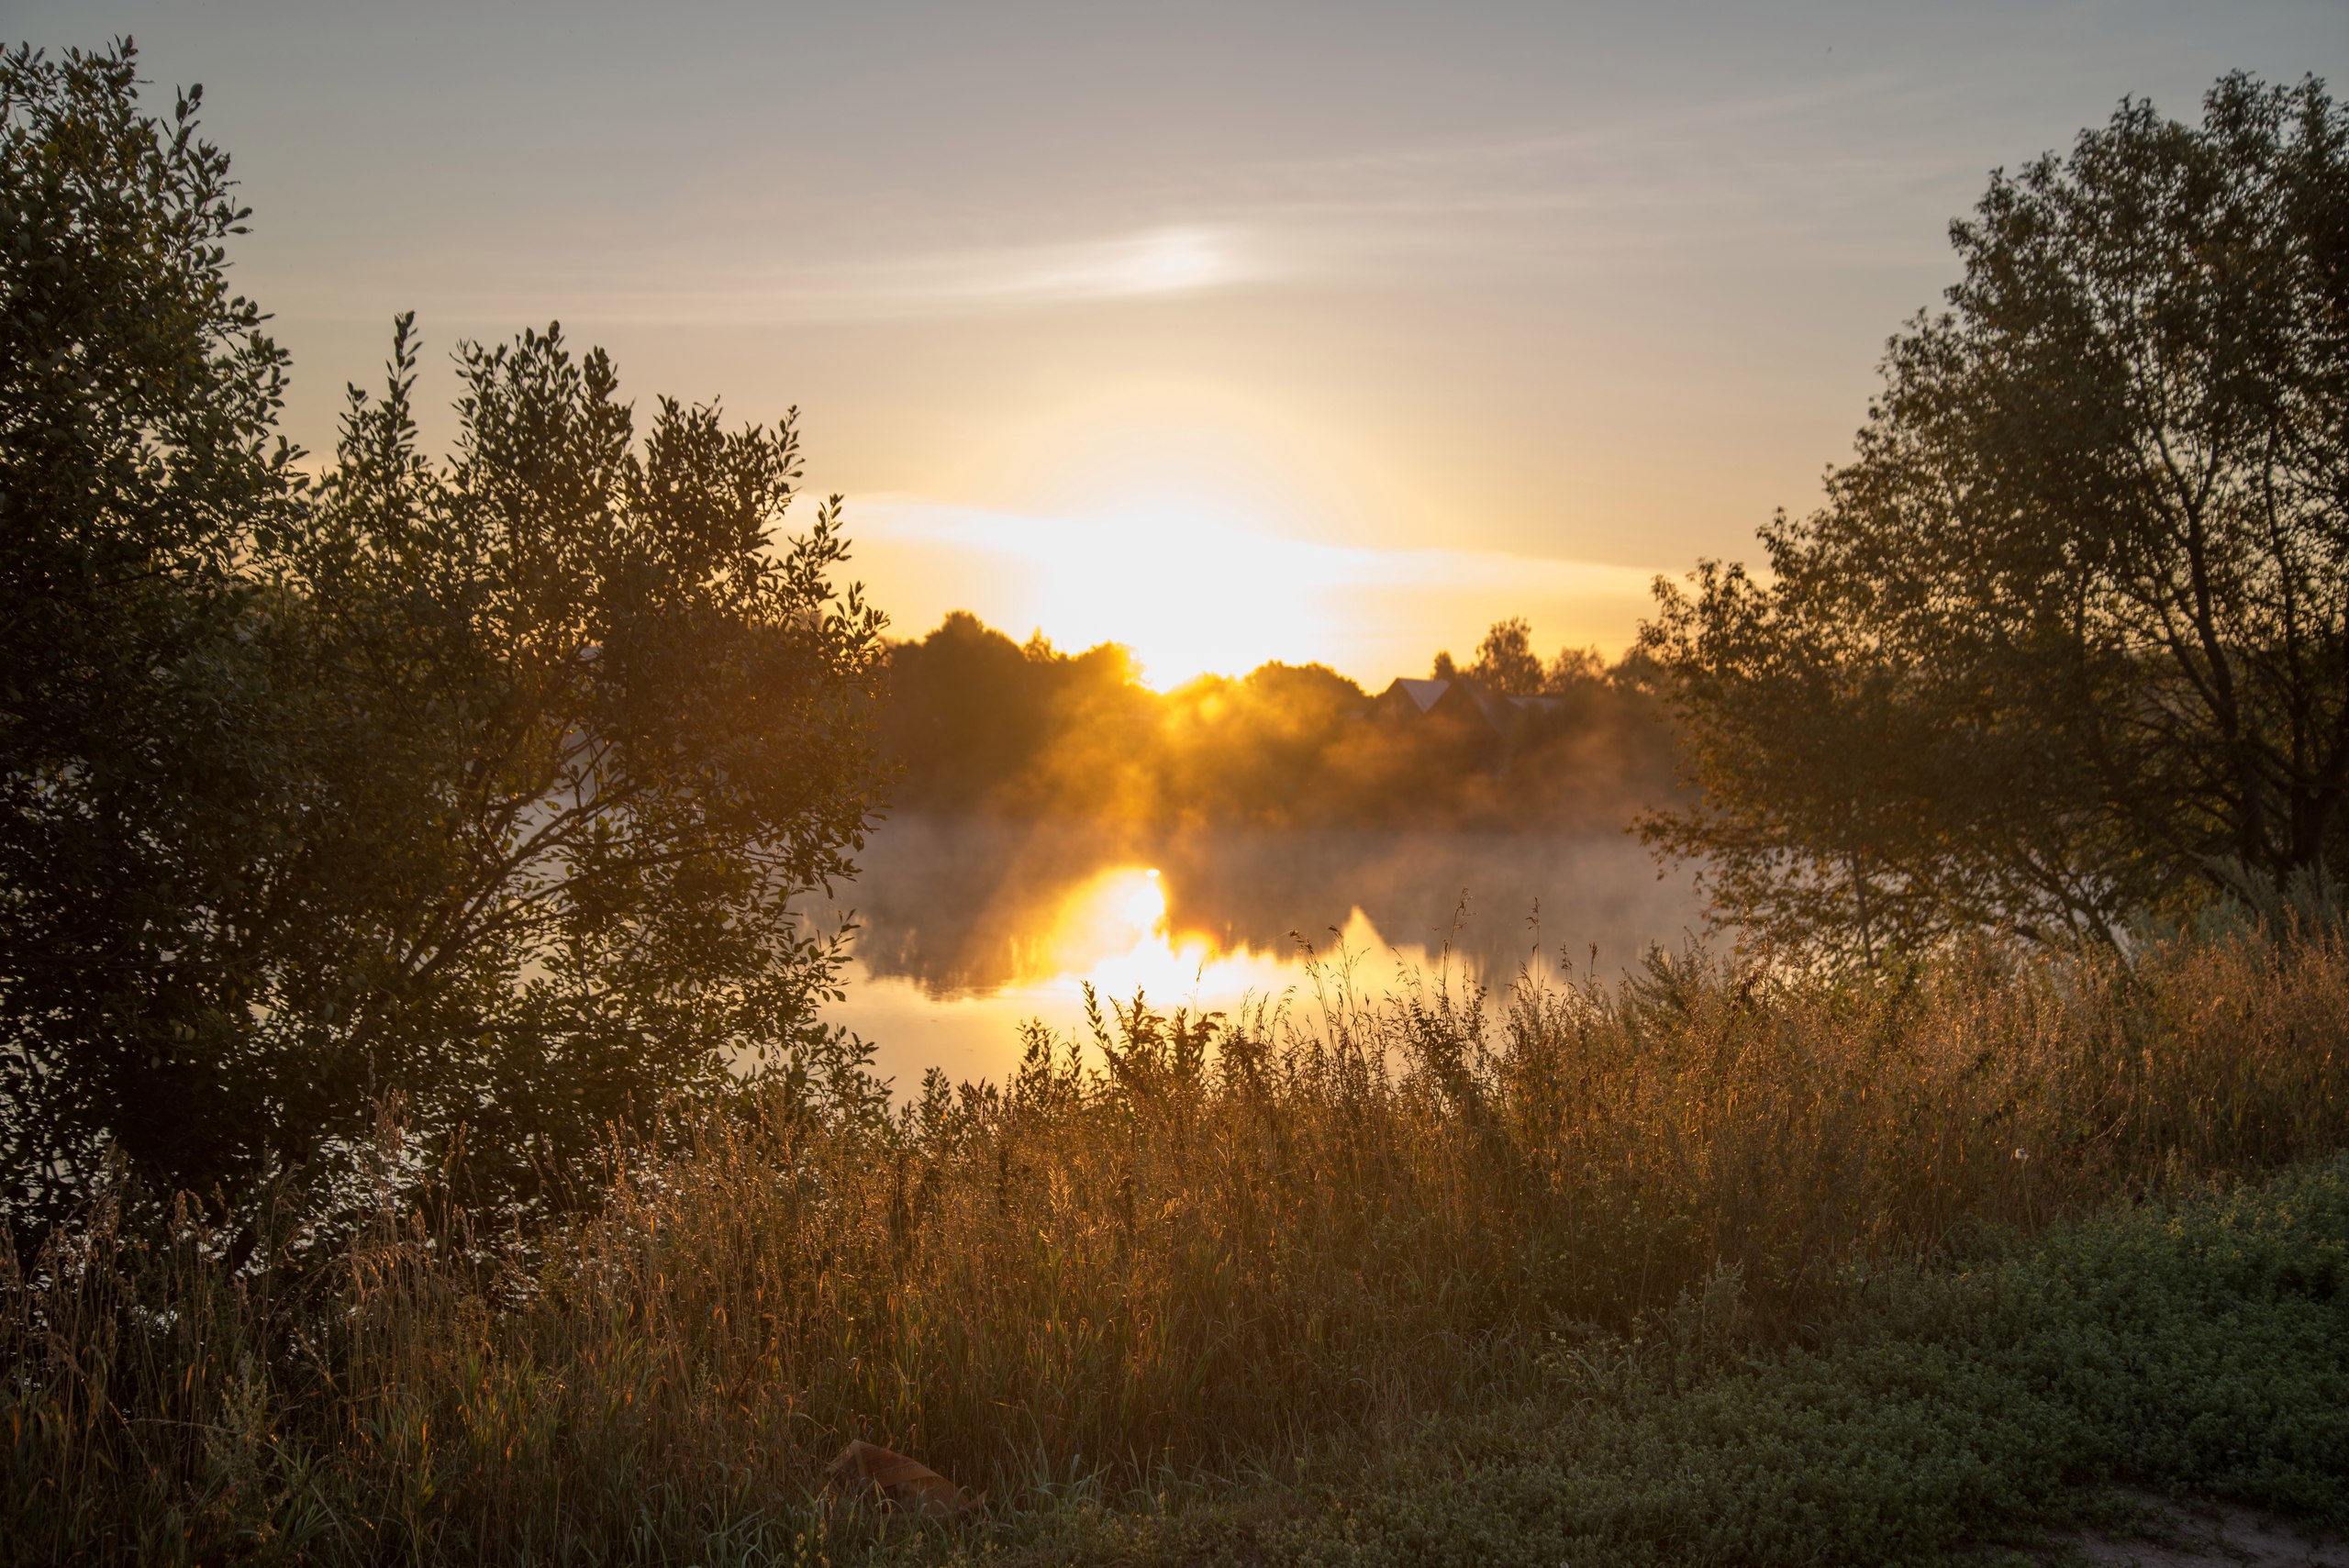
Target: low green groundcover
x,y
2200,1350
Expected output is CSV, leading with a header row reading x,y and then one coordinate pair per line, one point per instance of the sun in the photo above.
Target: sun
x,y
1188,590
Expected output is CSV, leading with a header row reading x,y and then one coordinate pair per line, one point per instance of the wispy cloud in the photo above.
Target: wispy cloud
x,y
1139,264
1766,173
1166,260
1175,260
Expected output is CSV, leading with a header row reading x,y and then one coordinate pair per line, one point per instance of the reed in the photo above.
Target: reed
x,y
1197,1249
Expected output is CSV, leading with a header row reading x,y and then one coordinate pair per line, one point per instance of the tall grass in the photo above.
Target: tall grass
x,y
1226,1245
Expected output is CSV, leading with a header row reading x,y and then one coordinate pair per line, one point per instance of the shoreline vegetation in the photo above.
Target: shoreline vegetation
x,y
1713,1263
978,725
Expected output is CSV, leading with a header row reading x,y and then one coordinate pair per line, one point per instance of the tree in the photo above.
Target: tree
x,y
1506,662
1574,669
142,762
481,786
2069,639
593,731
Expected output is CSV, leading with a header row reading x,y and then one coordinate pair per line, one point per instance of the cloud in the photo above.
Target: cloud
x,y
1175,260
646,288
1620,189
1166,260
1611,189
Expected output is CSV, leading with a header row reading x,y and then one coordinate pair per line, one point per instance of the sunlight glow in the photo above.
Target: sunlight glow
x,y
1188,590
1193,583
1119,912
1113,934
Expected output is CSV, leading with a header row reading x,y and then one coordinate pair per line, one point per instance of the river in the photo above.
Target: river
x,y
969,927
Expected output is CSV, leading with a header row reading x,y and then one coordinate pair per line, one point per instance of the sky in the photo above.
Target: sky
x,y
1229,332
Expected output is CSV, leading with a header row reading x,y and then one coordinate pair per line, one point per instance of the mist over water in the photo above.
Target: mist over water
x,y
971,926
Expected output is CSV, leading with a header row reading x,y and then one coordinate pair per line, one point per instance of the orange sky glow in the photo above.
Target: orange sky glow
x,y
1229,332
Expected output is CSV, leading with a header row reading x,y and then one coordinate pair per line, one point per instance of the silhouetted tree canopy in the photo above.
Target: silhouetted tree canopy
x,y
145,760
2067,643
1506,662
477,784
979,723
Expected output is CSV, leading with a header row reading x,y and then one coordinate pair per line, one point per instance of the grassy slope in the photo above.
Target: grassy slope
x,y
2201,1349
2198,1348
1692,1270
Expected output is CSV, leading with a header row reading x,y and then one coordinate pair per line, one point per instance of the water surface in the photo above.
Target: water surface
x,y
972,927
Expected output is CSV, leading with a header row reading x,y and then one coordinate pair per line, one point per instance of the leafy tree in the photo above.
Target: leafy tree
x,y
2069,639
144,766
482,786
1572,670
976,721
966,709
978,724
593,733
1266,749
1506,660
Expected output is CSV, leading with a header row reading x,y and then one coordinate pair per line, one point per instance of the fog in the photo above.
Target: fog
x,y
969,926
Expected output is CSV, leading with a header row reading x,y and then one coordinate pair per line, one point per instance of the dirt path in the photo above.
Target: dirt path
x,y
2177,1535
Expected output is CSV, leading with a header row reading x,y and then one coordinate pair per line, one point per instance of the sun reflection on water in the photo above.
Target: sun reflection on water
x,y
1115,934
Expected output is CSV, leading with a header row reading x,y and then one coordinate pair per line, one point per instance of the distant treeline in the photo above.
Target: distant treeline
x,y
979,723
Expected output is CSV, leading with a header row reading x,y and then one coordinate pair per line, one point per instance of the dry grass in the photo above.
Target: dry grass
x,y
1235,1247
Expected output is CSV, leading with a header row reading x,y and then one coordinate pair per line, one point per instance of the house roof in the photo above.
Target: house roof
x,y
1465,699
1424,694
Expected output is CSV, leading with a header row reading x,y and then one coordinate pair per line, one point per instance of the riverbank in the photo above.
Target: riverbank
x,y
2024,1402
1707,1264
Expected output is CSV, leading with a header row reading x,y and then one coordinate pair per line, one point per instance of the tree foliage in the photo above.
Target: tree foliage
x,y
2067,642
482,785
593,733
978,724
1506,660
144,768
